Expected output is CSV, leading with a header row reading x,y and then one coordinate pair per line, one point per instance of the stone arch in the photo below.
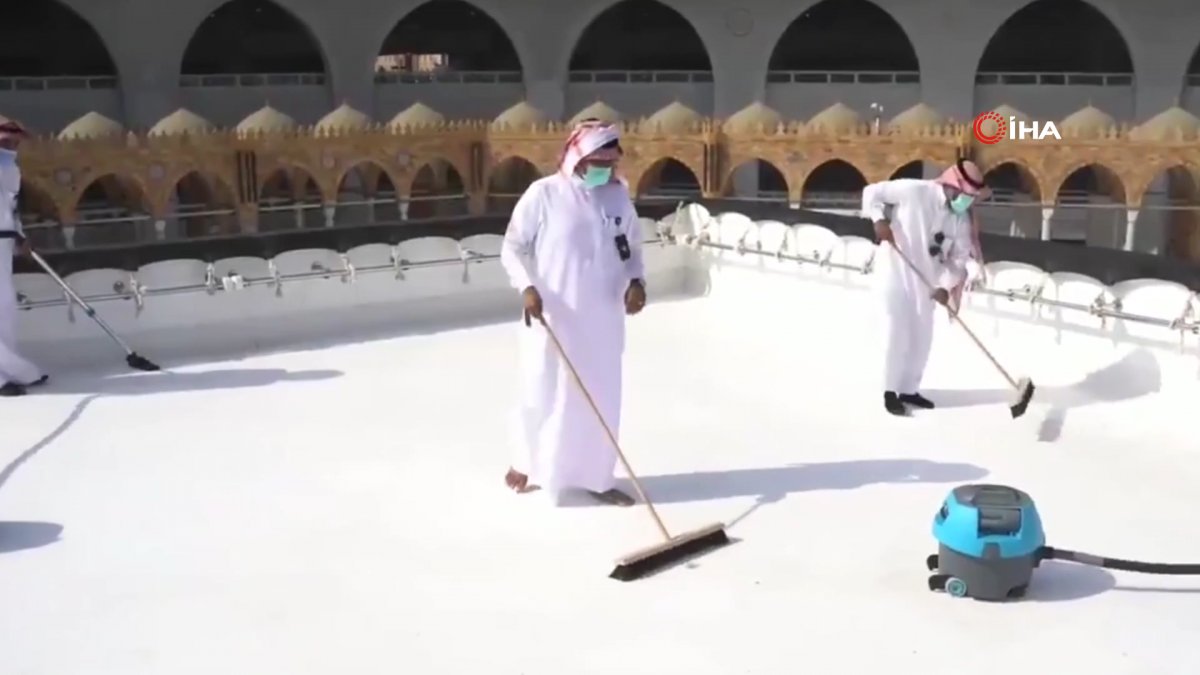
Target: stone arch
x,y
201,204
252,36
1176,229
448,35
1086,184
770,179
816,40
668,176
508,180
112,209
913,169
438,189
834,182
49,39
1009,178
366,193
1033,40
290,198
652,35
1015,207
40,215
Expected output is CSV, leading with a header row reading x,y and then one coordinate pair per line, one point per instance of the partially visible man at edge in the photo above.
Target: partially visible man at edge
x,y
574,249
16,372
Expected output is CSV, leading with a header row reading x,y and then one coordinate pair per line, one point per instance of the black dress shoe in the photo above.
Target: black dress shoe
x,y
12,389
38,382
916,400
891,402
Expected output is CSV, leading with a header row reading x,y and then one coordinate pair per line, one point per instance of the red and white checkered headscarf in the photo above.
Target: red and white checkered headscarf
x,y
587,140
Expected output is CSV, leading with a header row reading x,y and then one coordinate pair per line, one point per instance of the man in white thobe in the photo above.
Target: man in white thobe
x,y
931,224
574,250
16,372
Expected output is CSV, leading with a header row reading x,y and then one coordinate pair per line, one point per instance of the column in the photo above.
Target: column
x,y
1131,216
1047,214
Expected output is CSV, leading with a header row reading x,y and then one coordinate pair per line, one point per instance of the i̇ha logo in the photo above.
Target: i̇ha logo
x,y
990,128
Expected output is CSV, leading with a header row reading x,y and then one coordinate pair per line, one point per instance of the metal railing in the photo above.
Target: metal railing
x,y
450,77
1057,79
843,77
247,80
640,77
232,282
59,83
1185,323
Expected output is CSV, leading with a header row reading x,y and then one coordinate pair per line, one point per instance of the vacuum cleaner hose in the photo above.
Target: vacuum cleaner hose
x,y
1186,569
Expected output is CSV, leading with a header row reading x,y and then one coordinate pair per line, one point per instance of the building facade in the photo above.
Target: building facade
x,y
175,68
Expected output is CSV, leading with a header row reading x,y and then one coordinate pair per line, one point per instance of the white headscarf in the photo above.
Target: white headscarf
x,y
588,139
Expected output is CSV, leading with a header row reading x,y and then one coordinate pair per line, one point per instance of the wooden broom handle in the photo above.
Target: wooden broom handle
x,y
611,437
954,315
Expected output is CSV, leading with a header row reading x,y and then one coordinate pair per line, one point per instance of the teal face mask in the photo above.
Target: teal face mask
x,y
595,176
961,203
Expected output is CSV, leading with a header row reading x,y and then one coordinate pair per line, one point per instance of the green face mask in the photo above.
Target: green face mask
x,y
595,176
961,203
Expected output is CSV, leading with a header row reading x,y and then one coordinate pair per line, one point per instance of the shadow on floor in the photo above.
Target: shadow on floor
x,y
772,485
779,482
1136,375
1056,580
153,383
20,536
166,382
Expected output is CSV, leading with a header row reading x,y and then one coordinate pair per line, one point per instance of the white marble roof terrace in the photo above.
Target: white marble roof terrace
x,y
314,485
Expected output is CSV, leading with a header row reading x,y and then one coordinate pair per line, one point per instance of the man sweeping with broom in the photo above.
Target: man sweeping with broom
x,y
929,250
574,250
16,372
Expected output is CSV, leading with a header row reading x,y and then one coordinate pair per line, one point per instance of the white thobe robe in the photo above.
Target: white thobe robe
x,y
562,241
918,211
13,367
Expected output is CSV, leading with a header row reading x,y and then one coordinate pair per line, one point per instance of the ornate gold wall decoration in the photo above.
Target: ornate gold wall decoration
x,y
419,152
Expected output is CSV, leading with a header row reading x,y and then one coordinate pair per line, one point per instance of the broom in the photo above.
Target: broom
x,y
1024,387
132,358
673,549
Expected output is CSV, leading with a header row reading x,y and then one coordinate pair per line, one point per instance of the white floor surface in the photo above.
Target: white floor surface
x,y
341,511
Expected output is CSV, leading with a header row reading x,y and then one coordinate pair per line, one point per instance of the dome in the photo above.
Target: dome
x,y
180,122
266,119
344,118
917,118
417,115
1088,122
754,117
1170,124
598,110
675,118
837,118
1006,111
520,116
91,125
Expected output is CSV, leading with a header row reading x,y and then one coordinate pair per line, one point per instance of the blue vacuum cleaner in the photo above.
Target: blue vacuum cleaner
x,y
990,539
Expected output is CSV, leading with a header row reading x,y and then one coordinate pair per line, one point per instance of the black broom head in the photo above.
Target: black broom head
x,y
1025,395
680,548
139,362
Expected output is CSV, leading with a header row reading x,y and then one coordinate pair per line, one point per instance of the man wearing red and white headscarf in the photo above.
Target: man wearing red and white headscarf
x,y
574,250
16,372
932,224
